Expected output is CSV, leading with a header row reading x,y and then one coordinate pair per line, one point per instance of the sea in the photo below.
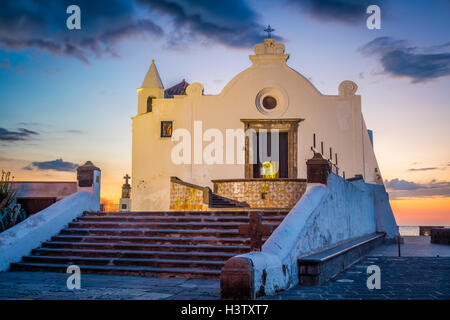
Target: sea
x,y
411,230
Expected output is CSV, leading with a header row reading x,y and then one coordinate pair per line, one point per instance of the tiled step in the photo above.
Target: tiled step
x,y
134,254
235,249
101,261
118,270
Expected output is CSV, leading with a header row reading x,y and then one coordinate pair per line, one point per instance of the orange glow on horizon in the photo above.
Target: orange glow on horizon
x,y
422,211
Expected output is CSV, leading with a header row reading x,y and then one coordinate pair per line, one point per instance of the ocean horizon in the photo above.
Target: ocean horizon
x,y
414,230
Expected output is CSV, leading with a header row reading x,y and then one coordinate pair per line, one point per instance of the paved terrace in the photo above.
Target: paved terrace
x,y
418,274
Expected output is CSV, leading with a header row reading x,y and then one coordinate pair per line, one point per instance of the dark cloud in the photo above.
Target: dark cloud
x,y
75,131
41,24
349,12
400,60
423,169
405,189
230,22
57,165
20,134
396,184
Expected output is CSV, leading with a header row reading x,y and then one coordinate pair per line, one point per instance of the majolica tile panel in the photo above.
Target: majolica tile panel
x,y
262,193
186,198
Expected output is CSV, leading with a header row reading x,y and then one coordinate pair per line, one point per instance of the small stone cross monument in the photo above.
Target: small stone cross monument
x,y
125,201
255,230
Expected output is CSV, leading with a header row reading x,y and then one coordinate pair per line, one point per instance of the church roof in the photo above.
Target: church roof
x,y
178,89
152,79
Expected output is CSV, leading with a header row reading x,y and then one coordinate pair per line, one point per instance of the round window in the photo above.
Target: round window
x,y
269,102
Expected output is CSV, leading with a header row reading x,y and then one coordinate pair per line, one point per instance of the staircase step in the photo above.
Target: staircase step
x,y
119,270
192,244
133,254
141,219
101,261
153,240
151,232
159,225
264,213
235,249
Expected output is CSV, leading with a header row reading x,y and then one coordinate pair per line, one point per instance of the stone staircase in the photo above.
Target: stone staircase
x,y
188,244
222,202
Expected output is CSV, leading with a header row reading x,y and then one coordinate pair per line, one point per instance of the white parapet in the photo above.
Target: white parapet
x,y
325,216
19,240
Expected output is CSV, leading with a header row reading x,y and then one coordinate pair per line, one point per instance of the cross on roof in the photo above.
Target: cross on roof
x,y
269,30
255,230
126,177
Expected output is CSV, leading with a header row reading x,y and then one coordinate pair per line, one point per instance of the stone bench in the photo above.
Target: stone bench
x,y
440,236
317,268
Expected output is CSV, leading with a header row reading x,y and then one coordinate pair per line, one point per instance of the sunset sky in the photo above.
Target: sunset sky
x,y
67,96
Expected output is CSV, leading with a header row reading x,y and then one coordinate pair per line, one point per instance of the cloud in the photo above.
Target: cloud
x,y
405,189
396,184
350,12
423,169
20,134
57,165
41,24
400,60
75,131
6,64
232,22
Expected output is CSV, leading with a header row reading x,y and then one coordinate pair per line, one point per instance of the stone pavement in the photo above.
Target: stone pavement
x,y
52,286
406,278
419,274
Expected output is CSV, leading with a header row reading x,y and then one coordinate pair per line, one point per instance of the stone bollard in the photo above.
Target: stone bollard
x,y
88,175
317,169
237,279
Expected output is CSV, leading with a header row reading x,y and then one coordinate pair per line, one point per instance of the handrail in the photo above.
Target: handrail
x,y
206,190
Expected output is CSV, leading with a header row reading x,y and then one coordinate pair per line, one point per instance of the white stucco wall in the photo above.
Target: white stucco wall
x,y
324,216
335,119
19,240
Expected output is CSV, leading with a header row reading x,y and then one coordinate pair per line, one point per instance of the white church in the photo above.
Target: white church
x,y
182,158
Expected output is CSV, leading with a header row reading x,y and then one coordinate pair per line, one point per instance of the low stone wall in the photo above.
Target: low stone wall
x,y
262,193
186,196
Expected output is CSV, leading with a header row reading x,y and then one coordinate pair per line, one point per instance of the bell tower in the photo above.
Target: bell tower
x,y
151,89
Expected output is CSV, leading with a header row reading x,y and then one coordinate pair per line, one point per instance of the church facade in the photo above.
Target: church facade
x,y
248,144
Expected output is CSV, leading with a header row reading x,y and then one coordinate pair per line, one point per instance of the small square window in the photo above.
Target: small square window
x,y
166,129
149,104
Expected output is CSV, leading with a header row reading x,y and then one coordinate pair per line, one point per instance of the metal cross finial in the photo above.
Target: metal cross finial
x,y
126,177
269,30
